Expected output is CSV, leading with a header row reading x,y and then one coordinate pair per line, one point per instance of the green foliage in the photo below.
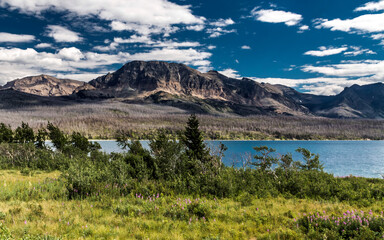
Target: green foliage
x,y
311,160
81,178
41,137
352,225
24,134
58,138
79,141
167,153
144,166
189,210
194,141
286,162
5,234
264,160
168,168
6,134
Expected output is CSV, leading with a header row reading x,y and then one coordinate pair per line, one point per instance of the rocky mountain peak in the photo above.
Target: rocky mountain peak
x,y
45,85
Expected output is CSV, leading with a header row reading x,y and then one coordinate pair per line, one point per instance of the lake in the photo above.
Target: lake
x,y
341,158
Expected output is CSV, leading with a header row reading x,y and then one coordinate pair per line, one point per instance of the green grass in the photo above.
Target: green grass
x,y
35,206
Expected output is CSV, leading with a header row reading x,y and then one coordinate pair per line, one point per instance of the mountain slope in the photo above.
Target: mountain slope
x,y
13,99
355,102
173,83
180,86
44,85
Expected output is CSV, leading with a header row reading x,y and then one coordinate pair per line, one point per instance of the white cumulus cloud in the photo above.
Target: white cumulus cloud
x,y
17,62
62,34
10,37
326,51
276,16
368,23
372,69
231,73
44,45
72,54
153,14
356,51
222,22
371,6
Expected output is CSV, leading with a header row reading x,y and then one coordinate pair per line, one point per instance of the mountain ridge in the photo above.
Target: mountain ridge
x,y
178,85
45,85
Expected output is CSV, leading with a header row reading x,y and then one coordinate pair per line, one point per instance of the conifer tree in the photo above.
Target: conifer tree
x,y
58,138
6,133
193,140
24,134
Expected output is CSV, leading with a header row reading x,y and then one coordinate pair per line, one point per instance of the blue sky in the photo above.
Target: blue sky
x,y
317,46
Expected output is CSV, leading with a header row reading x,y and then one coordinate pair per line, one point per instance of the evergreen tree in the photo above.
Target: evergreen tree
x,y
24,133
193,140
6,133
58,138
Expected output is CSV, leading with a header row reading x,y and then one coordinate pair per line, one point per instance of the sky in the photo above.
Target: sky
x,y
317,46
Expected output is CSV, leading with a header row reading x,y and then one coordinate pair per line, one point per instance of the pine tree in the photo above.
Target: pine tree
x,y
24,134
6,133
58,138
194,141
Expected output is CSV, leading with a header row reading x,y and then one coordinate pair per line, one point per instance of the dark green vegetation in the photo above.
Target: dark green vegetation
x,y
139,178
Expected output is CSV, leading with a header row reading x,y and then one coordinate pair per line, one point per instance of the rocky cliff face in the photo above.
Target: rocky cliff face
x,y
44,85
146,80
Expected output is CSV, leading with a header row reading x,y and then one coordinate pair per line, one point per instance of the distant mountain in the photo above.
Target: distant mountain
x,y
179,85
44,85
365,101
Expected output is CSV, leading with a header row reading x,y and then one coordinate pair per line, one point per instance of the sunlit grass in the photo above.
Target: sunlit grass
x,y
149,217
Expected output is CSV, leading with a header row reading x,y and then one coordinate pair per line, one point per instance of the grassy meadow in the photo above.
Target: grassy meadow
x,y
35,206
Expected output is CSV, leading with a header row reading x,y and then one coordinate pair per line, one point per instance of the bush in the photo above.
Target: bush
x,y
82,178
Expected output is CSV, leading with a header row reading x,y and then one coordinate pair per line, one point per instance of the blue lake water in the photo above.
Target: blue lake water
x,y
341,158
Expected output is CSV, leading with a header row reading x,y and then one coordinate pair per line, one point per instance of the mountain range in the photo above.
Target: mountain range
x,y
178,85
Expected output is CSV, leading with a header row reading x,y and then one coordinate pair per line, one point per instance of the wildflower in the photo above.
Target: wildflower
x,y
25,222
